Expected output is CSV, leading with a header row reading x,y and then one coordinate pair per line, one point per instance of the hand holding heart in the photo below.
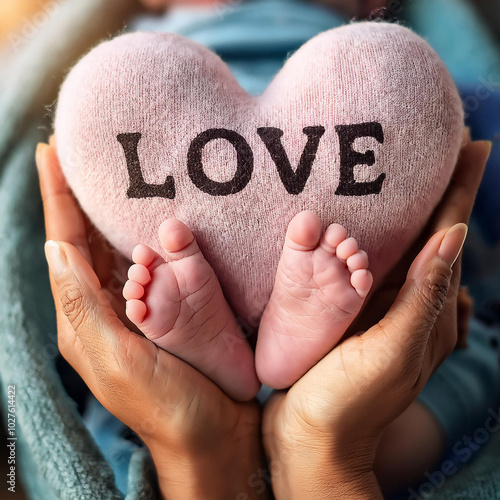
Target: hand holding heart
x,y
116,364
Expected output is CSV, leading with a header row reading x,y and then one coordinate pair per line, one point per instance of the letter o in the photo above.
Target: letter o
x,y
244,161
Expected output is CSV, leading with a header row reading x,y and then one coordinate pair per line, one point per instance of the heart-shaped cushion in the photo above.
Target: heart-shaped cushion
x,y
363,126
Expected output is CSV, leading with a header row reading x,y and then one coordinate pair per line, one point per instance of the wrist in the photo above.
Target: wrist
x,y
222,471
322,480
313,467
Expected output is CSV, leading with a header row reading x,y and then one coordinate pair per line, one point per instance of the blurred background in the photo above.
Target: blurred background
x,y
22,18
41,39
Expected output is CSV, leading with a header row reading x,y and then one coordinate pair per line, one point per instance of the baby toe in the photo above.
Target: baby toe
x,y
361,281
143,255
334,235
136,311
304,232
133,290
347,248
359,260
177,239
139,274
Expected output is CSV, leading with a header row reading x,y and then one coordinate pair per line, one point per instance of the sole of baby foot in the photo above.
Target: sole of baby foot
x,y
178,304
321,283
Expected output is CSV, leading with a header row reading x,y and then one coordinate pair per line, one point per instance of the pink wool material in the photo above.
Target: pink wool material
x,y
363,126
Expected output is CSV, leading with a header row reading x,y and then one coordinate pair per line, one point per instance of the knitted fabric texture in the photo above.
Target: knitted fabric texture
x,y
363,126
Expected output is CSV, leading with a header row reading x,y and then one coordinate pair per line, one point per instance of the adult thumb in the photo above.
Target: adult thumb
x,y
80,299
419,303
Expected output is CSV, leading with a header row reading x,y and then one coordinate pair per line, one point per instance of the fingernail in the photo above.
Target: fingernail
x,y
39,149
55,258
452,243
488,145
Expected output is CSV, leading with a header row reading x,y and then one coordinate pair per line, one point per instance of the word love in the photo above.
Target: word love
x,y
294,181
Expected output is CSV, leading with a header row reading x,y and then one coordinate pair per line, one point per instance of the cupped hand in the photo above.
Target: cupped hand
x,y
204,444
321,436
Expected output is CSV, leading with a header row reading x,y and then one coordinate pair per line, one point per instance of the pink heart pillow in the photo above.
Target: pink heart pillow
x,y
363,126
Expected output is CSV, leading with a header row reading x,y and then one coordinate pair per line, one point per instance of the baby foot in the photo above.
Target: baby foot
x,y
320,286
178,304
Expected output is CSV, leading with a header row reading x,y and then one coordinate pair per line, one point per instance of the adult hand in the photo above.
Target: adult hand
x,y
204,444
321,436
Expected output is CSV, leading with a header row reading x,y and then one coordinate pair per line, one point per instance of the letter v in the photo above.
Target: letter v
x,y
294,182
